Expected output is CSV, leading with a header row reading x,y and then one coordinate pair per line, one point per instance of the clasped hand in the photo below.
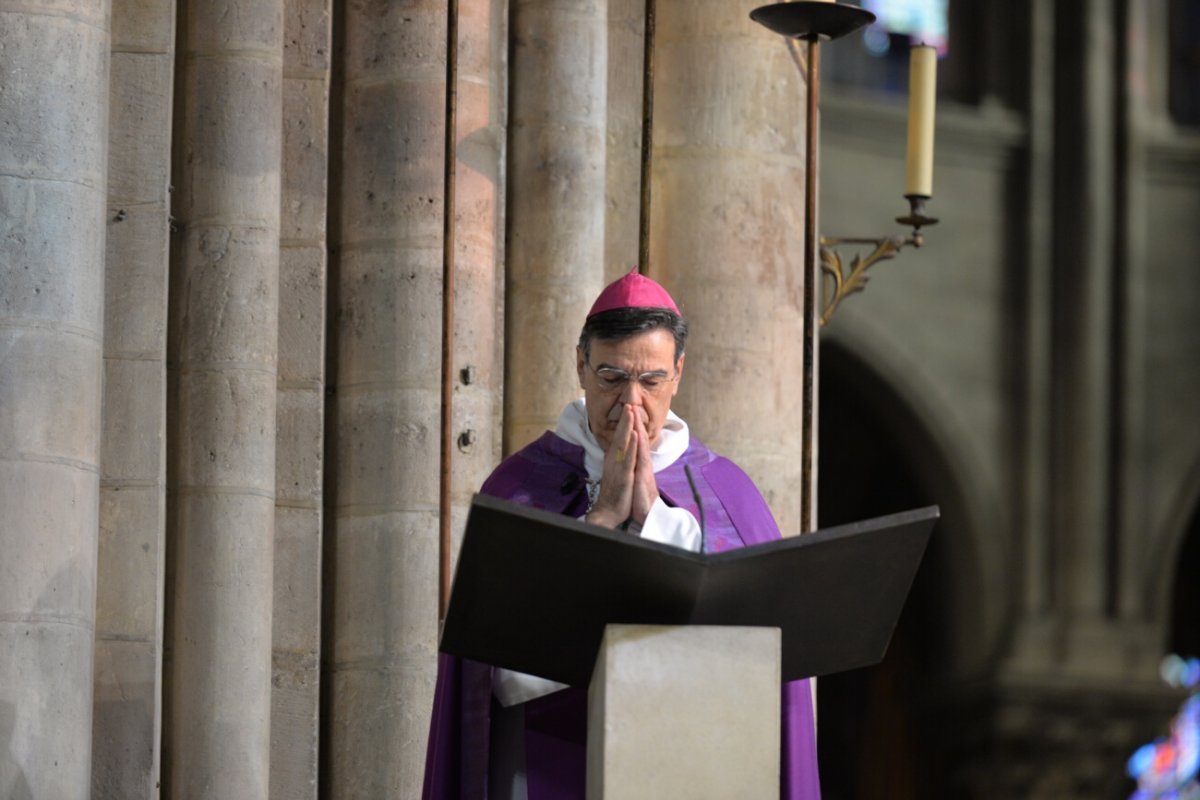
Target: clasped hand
x,y
627,487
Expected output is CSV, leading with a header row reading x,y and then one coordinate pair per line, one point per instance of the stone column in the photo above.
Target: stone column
x,y
1037,635
479,243
127,728
1136,110
727,234
380,657
623,151
300,412
54,65
1081,328
225,299
556,235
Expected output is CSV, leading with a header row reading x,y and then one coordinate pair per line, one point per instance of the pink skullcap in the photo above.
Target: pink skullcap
x,y
633,291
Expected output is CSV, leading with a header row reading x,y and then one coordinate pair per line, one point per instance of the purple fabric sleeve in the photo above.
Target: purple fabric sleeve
x,y
798,775
548,474
556,745
742,500
456,756
441,753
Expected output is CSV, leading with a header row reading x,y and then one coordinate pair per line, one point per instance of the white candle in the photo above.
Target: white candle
x,y
922,94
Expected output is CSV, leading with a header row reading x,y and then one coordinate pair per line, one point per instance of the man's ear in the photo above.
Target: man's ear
x,y
579,364
678,373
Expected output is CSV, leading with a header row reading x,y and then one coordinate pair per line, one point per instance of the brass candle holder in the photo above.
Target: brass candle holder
x,y
843,280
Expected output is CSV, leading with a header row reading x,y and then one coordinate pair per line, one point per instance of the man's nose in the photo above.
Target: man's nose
x,y
632,392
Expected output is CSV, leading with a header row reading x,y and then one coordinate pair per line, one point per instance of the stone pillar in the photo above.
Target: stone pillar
x,y
127,727
225,300
556,235
1132,286
727,234
1082,399
479,238
1034,485
380,657
53,142
623,153
300,413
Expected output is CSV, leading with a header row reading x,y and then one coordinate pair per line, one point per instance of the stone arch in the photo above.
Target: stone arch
x,y
1180,529
977,561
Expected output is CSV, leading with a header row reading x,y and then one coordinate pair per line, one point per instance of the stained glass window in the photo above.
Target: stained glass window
x,y
877,57
920,21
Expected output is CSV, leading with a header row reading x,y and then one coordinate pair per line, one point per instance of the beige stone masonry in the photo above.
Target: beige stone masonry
x,y
54,71
727,234
300,410
556,220
127,726
383,610
225,309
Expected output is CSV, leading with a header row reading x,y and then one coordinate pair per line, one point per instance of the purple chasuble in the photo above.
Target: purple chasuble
x,y
550,474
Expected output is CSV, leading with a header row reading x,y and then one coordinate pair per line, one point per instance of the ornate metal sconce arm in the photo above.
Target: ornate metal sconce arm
x,y
842,281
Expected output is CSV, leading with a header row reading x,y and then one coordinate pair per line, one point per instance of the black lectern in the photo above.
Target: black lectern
x,y
533,591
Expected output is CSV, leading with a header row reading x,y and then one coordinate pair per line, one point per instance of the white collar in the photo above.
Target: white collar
x,y
573,427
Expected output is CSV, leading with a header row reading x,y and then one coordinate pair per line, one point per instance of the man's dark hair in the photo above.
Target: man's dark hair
x,y
622,323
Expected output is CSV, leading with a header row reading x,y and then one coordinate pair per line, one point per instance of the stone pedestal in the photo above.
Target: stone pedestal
x,y
688,711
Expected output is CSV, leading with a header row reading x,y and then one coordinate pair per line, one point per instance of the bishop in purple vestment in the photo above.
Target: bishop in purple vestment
x,y
616,458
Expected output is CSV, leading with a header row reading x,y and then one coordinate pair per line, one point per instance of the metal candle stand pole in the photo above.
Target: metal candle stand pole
x,y
813,22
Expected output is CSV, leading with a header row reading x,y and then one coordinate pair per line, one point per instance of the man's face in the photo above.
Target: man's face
x,y
650,355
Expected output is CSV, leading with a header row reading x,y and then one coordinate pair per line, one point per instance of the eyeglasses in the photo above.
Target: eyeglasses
x,y
613,380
